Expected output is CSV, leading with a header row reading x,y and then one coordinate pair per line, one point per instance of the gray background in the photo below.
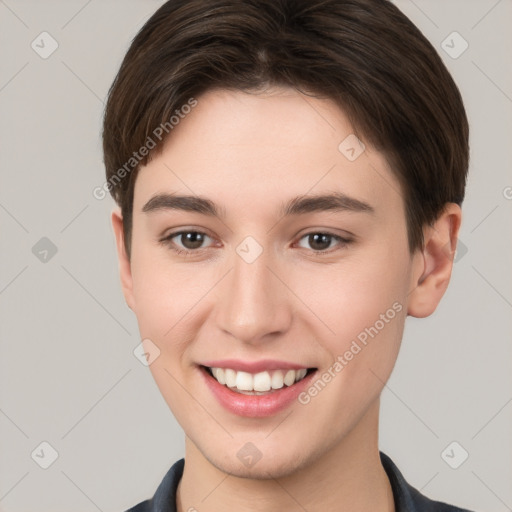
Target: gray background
x,y
68,375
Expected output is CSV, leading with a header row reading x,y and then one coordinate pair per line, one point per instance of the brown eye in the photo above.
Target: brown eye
x,y
321,241
192,239
188,240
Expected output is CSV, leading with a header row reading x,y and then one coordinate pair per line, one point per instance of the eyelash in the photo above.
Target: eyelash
x,y
168,242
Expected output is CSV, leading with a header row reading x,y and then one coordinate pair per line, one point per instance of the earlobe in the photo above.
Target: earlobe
x,y
125,271
433,264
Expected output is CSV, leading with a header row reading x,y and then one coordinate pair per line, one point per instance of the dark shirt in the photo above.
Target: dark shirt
x,y
407,499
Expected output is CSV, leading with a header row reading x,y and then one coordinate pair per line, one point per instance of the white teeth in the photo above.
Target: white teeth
x,y
277,380
299,374
259,382
230,377
244,381
220,375
262,382
289,378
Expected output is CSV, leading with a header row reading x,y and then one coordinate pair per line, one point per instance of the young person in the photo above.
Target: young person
x,y
289,175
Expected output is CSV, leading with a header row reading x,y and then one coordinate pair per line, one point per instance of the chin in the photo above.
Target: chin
x,y
277,465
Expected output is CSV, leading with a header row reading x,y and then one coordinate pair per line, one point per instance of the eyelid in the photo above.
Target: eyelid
x,y
340,234
167,239
169,232
343,241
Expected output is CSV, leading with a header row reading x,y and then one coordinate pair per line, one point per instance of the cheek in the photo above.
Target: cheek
x,y
165,293
363,302
352,295
168,300
364,305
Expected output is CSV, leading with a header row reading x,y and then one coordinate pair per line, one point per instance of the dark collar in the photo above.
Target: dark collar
x,y
407,499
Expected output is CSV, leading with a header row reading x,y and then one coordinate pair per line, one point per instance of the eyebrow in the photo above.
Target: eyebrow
x,y
185,203
335,201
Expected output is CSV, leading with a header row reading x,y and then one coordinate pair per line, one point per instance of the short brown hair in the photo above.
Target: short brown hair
x,y
364,54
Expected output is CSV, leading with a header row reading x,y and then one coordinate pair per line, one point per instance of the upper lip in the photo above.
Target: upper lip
x,y
254,366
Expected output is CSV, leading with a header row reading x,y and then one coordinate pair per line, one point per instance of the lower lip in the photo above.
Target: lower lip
x,y
255,406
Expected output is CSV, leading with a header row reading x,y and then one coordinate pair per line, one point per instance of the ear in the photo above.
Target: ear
x,y
125,270
432,266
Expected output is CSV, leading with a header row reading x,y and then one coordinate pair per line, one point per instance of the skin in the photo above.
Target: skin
x,y
249,154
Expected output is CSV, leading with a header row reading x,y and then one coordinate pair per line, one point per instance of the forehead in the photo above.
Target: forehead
x,y
242,149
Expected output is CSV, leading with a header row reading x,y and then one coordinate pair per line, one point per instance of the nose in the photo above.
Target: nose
x,y
254,306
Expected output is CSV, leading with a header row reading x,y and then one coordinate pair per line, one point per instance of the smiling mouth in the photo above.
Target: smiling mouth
x,y
261,383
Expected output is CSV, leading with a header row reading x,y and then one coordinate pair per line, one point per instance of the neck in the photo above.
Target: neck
x,y
349,477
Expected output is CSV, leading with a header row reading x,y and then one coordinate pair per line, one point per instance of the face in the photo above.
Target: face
x,y
263,248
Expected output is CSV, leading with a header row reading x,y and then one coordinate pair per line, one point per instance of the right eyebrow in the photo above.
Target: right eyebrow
x,y
185,203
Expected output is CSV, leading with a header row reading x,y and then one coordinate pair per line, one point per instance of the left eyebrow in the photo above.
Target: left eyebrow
x,y
336,201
